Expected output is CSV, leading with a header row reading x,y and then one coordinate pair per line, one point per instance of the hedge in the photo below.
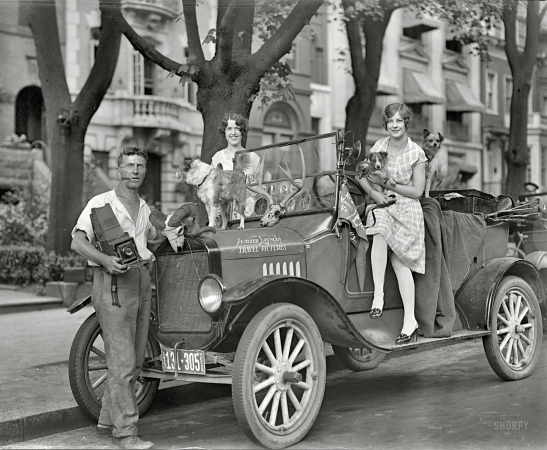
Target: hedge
x,y
23,265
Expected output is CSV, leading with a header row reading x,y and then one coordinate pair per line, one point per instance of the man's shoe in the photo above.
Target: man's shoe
x,y
131,442
104,431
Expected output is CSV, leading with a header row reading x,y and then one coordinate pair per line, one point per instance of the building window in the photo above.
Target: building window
x,y
318,66
138,74
454,45
277,118
492,92
143,75
315,123
508,94
290,58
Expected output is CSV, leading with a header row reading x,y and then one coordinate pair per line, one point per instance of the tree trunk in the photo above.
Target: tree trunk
x,y
517,153
366,70
66,184
522,65
67,122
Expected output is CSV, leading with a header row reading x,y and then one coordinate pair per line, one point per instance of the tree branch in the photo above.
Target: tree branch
x,y
509,17
353,31
144,47
43,24
533,23
281,42
100,76
192,30
225,32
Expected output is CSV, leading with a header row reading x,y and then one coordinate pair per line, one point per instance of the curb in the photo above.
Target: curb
x,y
43,424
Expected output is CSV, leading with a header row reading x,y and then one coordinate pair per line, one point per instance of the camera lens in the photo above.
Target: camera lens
x,y
128,251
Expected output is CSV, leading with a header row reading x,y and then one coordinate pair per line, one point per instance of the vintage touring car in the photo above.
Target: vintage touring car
x,y
254,307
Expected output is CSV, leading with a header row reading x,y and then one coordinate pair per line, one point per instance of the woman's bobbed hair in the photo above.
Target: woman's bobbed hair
x,y
404,111
240,121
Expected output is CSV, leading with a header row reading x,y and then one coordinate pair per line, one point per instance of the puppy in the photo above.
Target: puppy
x,y
217,189
431,145
373,167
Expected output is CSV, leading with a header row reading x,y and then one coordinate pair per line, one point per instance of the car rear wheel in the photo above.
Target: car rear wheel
x,y
514,346
358,359
279,376
87,370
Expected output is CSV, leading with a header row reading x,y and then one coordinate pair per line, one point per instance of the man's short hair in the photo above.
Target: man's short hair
x,y
130,151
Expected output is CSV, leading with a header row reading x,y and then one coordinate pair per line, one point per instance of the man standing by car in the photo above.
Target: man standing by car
x,y
121,298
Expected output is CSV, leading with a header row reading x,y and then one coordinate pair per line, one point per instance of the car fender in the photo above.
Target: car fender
x,y
470,299
333,323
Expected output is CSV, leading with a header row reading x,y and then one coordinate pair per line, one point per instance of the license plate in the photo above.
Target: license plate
x,y
188,361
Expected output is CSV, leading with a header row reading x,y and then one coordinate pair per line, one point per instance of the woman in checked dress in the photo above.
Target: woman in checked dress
x,y
399,227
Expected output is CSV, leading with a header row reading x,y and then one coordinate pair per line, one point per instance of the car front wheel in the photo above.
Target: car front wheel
x,y
279,376
514,346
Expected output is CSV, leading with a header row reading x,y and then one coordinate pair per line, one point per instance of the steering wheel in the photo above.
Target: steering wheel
x,y
324,200
357,185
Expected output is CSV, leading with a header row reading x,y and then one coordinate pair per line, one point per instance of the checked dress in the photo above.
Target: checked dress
x,y
401,224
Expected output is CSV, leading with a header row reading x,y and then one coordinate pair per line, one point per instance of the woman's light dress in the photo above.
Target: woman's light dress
x,y
401,224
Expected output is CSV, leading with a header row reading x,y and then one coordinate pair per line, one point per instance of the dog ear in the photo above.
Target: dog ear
x,y
384,154
426,132
441,137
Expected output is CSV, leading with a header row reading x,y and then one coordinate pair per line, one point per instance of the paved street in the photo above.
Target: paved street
x,y
447,398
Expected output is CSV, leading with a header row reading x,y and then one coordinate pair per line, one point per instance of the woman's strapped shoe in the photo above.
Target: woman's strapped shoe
x,y
404,338
376,313
134,442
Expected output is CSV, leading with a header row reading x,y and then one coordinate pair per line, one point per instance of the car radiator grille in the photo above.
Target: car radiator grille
x,y
178,305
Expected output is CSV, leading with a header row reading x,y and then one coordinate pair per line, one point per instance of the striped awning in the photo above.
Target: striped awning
x,y
460,98
418,87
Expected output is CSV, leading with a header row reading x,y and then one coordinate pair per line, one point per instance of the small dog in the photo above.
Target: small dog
x,y
431,145
373,167
175,226
217,189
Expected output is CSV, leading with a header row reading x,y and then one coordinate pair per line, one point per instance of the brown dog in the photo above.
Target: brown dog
x,y
431,145
373,167
217,189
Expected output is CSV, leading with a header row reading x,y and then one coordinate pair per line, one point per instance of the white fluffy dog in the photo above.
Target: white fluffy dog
x,y
217,189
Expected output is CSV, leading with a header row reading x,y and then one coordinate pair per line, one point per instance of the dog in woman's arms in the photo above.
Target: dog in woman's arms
x,y
217,189
431,145
373,167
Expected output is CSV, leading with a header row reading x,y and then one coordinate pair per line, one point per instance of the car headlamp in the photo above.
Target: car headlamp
x,y
210,291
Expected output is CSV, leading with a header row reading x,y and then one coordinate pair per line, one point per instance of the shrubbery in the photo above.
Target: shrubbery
x,y
23,235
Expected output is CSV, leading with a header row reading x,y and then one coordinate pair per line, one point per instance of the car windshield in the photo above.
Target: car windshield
x,y
269,169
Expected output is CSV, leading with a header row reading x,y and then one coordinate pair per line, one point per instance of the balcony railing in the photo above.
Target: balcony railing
x,y
457,130
145,111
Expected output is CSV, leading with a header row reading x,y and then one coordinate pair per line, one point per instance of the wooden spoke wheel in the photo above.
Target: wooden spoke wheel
x,y
279,376
514,346
358,359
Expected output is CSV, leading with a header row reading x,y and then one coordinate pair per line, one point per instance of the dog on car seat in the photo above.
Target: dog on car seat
x,y
217,189
431,146
373,167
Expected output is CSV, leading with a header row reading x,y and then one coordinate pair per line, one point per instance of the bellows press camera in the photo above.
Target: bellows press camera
x,y
111,239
